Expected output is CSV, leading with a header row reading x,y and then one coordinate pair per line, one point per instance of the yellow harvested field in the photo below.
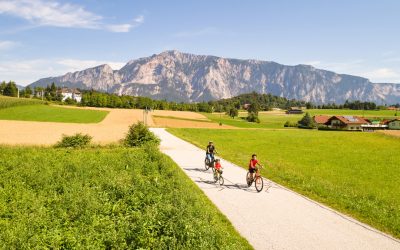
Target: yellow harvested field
x,y
111,129
179,114
391,132
176,123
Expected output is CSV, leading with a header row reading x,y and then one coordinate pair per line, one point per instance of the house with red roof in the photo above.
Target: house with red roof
x,y
352,123
320,120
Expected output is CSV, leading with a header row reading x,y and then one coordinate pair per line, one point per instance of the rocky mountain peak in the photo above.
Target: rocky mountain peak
x,y
178,76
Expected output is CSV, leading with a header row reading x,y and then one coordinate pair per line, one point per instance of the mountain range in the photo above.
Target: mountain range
x,y
184,77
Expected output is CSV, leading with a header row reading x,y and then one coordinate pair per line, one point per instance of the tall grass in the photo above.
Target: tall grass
x,y
7,102
356,173
114,198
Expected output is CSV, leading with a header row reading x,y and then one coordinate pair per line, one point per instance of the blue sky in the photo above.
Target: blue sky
x,y
40,38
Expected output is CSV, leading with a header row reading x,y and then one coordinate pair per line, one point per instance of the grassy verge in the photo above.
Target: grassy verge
x,y
105,198
356,173
46,113
7,102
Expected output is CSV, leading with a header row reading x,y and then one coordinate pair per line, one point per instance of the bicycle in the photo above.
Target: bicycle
x,y
209,163
218,177
258,180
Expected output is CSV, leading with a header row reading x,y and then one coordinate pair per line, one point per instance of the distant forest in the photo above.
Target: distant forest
x,y
259,102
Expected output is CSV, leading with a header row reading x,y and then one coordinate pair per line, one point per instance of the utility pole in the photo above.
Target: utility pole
x,y
145,111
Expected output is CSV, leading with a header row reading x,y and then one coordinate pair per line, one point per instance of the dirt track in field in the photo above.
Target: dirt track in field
x,y
111,129
179,114
176,123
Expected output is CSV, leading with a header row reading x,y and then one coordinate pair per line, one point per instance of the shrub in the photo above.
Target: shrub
x,y
252,117
74,141
70,101
138,135
290,124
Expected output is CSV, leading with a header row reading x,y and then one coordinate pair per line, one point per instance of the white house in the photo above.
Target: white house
x,y
394,124
73,94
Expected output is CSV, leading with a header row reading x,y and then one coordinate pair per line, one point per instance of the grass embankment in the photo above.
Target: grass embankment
x,y
105,198
274,120
7,102
46,113
356,173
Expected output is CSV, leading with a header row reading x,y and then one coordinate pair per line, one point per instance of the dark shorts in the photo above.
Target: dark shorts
x,y
252,170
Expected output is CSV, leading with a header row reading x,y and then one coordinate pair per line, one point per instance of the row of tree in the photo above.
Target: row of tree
x,y
355,105
98,99
253,102
49,93
264,102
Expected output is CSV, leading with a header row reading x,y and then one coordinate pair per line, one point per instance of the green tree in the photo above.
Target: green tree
x,y
307,121
233,112
252,117
2,87
28,91
10,89
254,107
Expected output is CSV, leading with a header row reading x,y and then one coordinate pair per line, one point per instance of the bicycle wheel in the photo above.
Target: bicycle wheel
x,y
221,180
259,183
206,163
248,179
215,177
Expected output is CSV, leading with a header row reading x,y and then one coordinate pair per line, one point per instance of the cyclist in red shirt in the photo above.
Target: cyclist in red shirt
x,y
253,165
218,166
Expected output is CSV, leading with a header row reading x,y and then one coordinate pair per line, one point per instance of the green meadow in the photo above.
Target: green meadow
x,y
105,198
276,121
354,172
48,113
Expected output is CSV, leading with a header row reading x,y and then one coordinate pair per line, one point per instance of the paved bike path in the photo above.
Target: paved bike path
x,y
276,218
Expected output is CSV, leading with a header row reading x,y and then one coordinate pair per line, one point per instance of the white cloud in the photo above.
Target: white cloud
x,y
383,75
28,71
54,13
126,27
360,68
6,45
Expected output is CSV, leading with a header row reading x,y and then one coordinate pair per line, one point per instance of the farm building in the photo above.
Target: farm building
x,y
73,94
294,110
374,125
346,123
393,124
320,120
246,106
